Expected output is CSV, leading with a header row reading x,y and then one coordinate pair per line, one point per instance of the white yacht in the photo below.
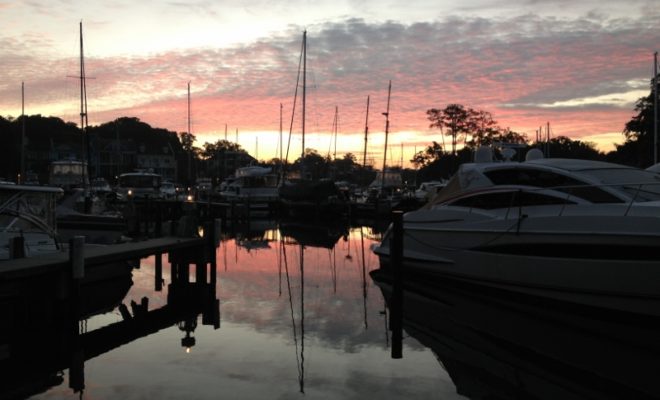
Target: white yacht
x,y
253,185
573,230
139,184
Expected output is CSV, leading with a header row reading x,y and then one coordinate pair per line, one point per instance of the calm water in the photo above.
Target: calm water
x,y
301,311
295,321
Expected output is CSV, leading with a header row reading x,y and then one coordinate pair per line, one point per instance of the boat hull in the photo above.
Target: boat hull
x,y
603,268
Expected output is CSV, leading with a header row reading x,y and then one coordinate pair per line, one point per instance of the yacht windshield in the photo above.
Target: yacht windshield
x,y
641,185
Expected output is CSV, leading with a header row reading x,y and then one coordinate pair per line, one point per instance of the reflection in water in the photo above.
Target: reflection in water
x,y
296,323
498,346
44,334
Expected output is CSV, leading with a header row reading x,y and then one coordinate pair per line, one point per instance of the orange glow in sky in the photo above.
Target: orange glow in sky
x,y
578,67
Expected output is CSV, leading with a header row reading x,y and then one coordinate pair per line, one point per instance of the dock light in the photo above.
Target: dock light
x,y
129,193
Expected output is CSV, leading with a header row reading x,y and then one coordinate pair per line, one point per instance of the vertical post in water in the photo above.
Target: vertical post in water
x,y
77,261
396,302
158,279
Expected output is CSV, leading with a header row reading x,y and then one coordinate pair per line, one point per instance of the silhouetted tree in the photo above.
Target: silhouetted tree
x,y
639,134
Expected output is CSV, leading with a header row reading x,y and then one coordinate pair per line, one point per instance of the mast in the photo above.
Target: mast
x,y
83,113
304,91
190,150
366,133
21,172
387,131
655,107
336,124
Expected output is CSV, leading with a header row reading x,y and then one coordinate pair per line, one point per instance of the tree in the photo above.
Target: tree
x,y
564,147
428,155
456,118
639,131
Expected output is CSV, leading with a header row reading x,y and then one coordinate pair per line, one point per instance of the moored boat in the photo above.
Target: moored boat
x,y
574,230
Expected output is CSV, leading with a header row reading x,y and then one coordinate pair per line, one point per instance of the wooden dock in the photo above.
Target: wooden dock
x,y
94,255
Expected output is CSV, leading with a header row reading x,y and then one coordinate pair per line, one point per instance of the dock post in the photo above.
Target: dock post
x,y
396,304
16,247
77,261
77,257
158,279
159,219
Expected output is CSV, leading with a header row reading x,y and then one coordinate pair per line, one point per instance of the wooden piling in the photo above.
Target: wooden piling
x,y
16,247
158,279
396,303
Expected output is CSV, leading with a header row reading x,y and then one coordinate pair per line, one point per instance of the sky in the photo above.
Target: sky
x,y
578,66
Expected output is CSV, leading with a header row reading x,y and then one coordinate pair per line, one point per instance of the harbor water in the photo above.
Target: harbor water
x,y
298,316
304,311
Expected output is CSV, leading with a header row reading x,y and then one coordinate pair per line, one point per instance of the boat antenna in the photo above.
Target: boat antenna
x,y
387,131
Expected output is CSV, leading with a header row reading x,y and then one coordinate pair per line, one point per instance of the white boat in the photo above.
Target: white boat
x,y
427,190
133,185
253,185
573,230
28,212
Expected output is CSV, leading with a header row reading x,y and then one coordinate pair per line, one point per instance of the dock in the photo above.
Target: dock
x,y
96,255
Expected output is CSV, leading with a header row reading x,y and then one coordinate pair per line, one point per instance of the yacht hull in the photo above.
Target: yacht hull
x,y
601,266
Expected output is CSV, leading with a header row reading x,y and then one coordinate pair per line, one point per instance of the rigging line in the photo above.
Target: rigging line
x,y
295,100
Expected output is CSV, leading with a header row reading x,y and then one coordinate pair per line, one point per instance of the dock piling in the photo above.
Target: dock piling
x,y
396,311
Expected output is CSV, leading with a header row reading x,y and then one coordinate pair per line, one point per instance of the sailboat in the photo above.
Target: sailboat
x,y
385,192
308,195
97,225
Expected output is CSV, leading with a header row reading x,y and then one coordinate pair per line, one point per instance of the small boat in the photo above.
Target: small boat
x,y
573,230
27,220
428,190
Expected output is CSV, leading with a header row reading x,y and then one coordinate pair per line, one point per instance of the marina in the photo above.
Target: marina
x,y
296,310
440,255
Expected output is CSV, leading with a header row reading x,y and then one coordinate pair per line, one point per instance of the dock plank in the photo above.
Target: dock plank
x,y
96,255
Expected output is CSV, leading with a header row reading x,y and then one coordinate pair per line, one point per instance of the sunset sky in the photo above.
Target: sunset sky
x,y
578,65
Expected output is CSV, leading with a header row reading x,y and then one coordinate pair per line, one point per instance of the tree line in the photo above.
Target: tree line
x,y
466,128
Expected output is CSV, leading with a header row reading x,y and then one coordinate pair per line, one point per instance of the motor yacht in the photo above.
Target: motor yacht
x,y
573,230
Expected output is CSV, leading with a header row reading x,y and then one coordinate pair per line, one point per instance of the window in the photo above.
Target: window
x,y
551,180
514,198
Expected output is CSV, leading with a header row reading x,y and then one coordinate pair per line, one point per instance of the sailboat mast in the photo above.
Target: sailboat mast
x,y
655,107
21,171
83,113
366,133
190,151
387,131
304,90
334,155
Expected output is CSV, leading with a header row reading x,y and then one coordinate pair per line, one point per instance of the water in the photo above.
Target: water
x,y
295,321
301,312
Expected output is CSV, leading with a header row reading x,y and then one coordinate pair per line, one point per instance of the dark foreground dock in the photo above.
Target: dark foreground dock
x,y
97,255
